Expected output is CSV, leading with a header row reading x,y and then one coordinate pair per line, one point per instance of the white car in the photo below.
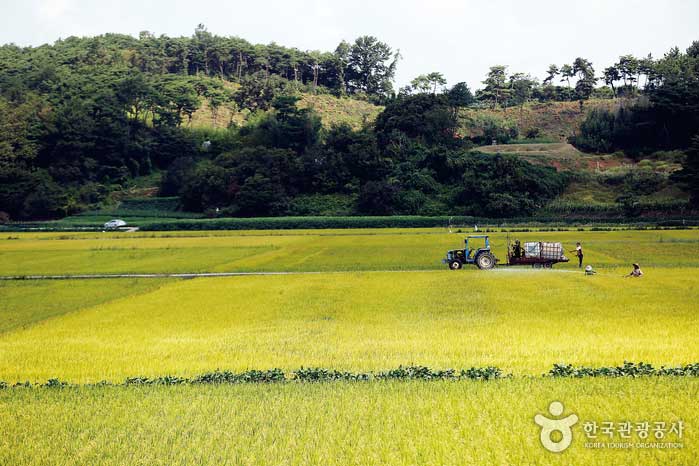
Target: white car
x,y
114,224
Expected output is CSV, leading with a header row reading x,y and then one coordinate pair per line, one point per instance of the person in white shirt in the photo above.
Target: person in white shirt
x,y
578,252
636,272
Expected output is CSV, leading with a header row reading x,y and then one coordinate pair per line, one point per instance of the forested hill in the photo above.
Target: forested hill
x,y
252,130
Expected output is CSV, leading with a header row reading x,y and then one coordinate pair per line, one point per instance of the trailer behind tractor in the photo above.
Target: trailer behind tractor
x,y
536,254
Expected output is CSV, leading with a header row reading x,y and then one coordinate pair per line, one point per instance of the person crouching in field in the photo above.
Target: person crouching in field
x,y
636,272
579,252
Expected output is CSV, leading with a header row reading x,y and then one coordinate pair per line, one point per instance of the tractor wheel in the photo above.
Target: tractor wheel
x,y
455,265
485,261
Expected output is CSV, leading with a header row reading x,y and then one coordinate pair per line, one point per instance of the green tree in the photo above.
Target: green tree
x,y
460,95
567,73
424,117
436,79
260,196
371,66
377,198
586,79
628,68
552,72
521,89
288,127
646,66
18,146
688,177
209,186
178,100
340,62
496,90
421,84
257,91
611,75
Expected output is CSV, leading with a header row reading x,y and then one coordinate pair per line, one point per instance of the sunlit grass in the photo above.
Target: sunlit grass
x,y
352,317
325,250
24,303
403,423
521,321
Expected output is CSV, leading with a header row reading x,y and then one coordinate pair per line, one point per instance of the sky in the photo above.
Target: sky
x,y
460,39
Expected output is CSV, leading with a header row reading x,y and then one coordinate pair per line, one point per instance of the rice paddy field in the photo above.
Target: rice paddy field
x,y
362,301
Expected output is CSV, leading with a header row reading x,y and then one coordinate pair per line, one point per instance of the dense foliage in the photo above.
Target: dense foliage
x,y
411,163
689,175
628,369
81,118
303,374
666,117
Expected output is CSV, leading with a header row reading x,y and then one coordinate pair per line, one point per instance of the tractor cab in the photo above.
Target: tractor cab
x,y
481,256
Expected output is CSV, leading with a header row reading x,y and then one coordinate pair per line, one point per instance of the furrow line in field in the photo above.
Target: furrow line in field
x,y
240,274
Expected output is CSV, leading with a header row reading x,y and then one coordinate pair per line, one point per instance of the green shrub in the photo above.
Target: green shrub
x,y
227,377
628,369
642,181
483,128
321,205
286,223
596,132
150,204
425,373
326,375
55,383
627,206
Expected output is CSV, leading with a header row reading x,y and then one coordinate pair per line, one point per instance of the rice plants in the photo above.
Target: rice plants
x,y
384,357
325,250
396,423
522,321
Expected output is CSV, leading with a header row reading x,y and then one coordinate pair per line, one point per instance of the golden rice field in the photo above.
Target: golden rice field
x,y
521,321
432,423
312,250
380,299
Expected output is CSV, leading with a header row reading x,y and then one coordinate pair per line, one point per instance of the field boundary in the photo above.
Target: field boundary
x,y
97,276
401,373
186,276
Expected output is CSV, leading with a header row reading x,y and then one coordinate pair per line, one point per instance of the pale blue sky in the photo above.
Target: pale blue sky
x,y
459,38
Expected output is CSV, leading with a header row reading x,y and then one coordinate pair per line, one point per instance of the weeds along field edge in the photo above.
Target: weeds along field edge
x,y
397,423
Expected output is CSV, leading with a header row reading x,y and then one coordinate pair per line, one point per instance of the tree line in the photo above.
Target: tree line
x,y
366,65
80,118
409,162
666,117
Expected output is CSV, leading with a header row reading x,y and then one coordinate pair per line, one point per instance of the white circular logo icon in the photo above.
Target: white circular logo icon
x,y
549,426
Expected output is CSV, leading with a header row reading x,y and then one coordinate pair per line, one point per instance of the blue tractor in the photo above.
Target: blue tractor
x,y
482,257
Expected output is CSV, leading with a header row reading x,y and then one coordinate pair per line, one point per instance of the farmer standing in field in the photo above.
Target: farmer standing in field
x,y
579,252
